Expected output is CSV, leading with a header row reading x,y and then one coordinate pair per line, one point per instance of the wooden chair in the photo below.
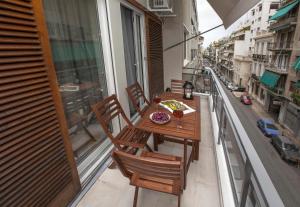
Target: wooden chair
x,y
129,138
152,171
136,95
177,86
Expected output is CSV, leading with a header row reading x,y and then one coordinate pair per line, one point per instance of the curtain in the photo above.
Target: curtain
x,y
129,50
74,33
129,46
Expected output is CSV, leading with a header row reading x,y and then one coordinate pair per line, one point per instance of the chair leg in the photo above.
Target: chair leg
x,y
149,148
155,142
135,196
179,200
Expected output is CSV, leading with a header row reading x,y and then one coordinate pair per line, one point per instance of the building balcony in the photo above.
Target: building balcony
x,y
243,58
283,24
283,46
259,57
226,174
277,69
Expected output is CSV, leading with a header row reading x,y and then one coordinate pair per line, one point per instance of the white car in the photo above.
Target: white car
x,y
232,87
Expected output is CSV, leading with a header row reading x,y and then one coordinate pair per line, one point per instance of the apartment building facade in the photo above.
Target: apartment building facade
x,y
259,17
241,56
285,57
261,59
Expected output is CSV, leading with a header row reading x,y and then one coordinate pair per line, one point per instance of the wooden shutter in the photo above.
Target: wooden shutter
x,y
37,167
155,54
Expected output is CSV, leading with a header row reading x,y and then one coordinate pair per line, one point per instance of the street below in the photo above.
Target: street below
x,y
285,176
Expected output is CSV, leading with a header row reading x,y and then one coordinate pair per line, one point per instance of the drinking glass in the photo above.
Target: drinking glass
x,y
178,114
156,100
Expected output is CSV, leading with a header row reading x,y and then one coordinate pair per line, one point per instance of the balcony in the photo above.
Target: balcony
x,y
283,24
284,46
227,174
260,58
277,69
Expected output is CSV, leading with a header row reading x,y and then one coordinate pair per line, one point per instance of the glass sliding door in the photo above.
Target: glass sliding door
x,y
133,50
74,33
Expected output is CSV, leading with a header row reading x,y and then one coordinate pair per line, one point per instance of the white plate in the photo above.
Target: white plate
x,y
159,122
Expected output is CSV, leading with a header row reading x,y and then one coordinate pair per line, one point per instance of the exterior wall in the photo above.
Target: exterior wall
x,y
173,32
241,63
289,114
259,21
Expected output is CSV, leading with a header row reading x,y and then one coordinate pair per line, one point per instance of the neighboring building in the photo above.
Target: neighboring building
x,y
261,59
282,75
259,17
178,26
241,56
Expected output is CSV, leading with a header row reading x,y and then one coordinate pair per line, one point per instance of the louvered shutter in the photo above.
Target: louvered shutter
x,y
37,167
155,54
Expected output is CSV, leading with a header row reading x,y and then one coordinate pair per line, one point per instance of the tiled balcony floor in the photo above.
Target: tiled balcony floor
x,y
112,189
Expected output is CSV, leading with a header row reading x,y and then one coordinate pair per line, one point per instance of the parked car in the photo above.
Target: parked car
x,y
267,127
240,89
246,100
286,148
232,87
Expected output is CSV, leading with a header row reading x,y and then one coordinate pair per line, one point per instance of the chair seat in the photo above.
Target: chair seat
x,y
133,137
157,184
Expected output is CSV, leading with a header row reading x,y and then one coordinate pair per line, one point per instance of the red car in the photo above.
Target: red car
x,y
246,100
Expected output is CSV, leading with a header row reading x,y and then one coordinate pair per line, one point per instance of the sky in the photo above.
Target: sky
x,y
208,18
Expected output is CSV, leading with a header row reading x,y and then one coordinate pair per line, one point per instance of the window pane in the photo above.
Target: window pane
x,y
74,34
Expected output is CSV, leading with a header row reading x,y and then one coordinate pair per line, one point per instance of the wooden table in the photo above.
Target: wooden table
x,y
188,134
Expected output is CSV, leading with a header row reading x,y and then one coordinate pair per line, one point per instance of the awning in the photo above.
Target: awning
x,y
284,10
269,79
297,64
231,10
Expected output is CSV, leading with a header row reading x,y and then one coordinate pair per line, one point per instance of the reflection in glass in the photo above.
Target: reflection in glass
x,y
75,40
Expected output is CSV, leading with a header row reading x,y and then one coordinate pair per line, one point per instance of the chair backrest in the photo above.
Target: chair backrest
x,y
177,86
137,96
148,166
106,111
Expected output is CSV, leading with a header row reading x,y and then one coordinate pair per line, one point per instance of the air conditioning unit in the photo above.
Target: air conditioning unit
x,y
158,4
163,8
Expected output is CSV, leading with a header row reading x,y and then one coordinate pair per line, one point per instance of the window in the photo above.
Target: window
x,y
253,12
74,33
292,86
260,7
132,39
274,6
258,29
262,48
259,19
251,31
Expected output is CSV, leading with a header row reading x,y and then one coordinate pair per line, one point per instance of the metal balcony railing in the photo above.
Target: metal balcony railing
x,y
259,57
281,69
247,174
281,45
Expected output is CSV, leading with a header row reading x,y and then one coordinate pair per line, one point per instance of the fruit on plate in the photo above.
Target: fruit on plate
x,y
174,105
160,117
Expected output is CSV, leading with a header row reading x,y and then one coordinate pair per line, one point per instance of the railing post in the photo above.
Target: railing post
x,y
246,184
222,120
